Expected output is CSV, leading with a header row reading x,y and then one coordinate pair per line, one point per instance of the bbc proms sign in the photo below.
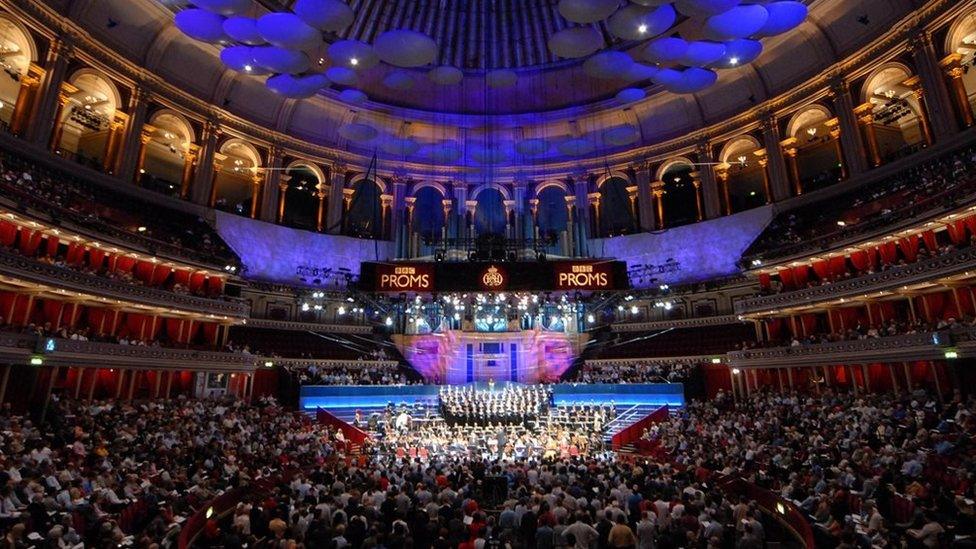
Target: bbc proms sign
x,y
426,277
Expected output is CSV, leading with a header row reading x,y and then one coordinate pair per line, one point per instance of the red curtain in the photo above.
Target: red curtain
x,y
182,277
216,285
30,241
51,249
144,271
774,326
808,323
909,247
210,333
971,224
96,257
931,244
265,382
75,254
135,325
786,277
800,276
861,260
822,269
956,231
838,266
160,275
888,252
197,280
125,264
52,312
8,233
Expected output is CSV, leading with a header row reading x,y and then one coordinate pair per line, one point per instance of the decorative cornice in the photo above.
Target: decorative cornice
x,y
288,325
23,268
677,323
904,275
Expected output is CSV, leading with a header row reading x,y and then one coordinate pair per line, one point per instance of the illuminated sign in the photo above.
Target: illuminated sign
x,y
395,278
493,278
584,276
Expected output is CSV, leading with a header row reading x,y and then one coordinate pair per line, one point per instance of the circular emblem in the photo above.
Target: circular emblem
x,y
493,278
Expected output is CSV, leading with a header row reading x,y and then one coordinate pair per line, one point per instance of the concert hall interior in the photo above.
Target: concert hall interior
x,y
479,274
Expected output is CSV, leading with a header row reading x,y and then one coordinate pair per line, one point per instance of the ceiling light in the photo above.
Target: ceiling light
x,y
642,28
734,61
742,160
841,224
353,61
248,68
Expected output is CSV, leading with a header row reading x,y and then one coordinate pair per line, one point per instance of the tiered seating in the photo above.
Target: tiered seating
x,y
677,342
296,344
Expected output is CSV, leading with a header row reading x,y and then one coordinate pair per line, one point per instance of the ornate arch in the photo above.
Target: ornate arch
x,y
506,194
670,163
608,176
736,144
251,152
31,45
804,116
867,90
420,185
113,91
310,166
354,180
181,122
556,183
963,26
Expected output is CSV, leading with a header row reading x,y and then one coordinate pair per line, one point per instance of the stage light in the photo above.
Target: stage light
x,y
141,229
341,311
457,316
633,310
736,371
305,307
36,361
268,364
642,28
389,321
734,61
841,224
590,319
716,360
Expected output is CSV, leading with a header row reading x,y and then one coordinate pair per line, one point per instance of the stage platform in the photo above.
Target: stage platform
x,y
564,394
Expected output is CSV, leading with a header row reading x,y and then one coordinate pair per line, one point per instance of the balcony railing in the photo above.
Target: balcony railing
x,y
293,326
921,346
697,322
904,275
24,268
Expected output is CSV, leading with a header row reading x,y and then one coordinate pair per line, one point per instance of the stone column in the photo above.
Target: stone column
x,y
333,217
470,209
216,165
347,195
778,178
657,189
509,206
593,209
113,146
386,214
915,84
764,166
400,182
645,208
790,151
696,182
570,226
190,156
711,195
581,189
952,65
865,116
30,84
145,138
409,203
46,110
833,126
283,198
132,148
632,198
722,175
270,210
321,193
938,103
203,184
63,99
257,182
850,133
446,205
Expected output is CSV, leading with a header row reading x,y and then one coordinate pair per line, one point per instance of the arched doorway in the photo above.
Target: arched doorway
x,y
552,213
489,215
961,41
616,216
896,127
301,197
741,175
86,121
238,178
365,216
428,214
817,151
18,50
682,204
166,154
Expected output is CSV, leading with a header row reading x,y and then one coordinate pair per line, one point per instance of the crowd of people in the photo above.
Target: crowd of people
x,y
857,464
510,404
631,371
863,331
877,204
69,199
73,479
362,373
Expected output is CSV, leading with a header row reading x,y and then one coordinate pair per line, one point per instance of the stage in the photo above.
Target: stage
x,y
564,394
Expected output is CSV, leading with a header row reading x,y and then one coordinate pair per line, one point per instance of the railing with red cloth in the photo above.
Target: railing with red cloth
x,y
779,508
224,503
353,435
636,431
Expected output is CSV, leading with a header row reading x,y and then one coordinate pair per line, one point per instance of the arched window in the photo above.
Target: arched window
x,y
428,213
616,216
18,52
166,152
680,198
489,216
818,158
553,215
744,173
234,184
301,200
365,217
87,118
897,126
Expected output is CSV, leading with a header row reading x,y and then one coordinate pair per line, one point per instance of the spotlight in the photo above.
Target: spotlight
x,y
389,321
642,28
248,68
353,61
734,61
